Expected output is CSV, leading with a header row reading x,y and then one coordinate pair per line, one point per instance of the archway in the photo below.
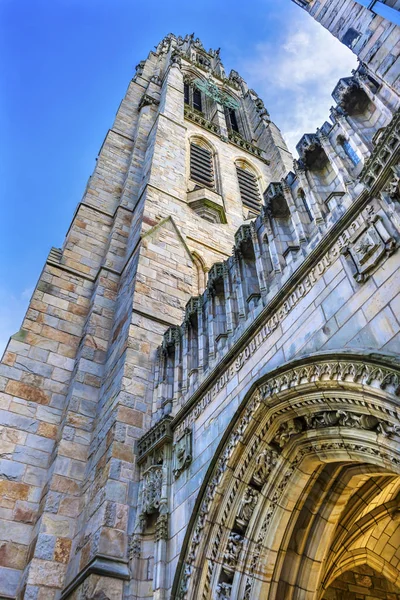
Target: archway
x,y
305,487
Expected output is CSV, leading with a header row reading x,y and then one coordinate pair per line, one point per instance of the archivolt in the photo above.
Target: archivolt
x,y
308,467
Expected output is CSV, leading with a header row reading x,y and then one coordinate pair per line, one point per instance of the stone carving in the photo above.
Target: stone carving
x,y
332,370
286,431
368,245
383,153
262,111
199,119
162,528
176,59
265,462
223,591
332,418
157,437
147,100
247,506
343,370
172,336
216,272
134,548
184,583
192,306
151,491
393,188
233,548
182,453
140,67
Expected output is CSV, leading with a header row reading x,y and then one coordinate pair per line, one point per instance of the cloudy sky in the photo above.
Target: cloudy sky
x,y
64,68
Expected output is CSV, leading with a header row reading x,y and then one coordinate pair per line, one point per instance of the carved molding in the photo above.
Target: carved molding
x,y
347,371
159,435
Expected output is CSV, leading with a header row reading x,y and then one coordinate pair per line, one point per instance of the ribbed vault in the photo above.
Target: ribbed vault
x,y
305,486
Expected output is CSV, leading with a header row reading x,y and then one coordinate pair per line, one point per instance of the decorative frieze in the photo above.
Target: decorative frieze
x,y
157,437
236,138
199,119
360,224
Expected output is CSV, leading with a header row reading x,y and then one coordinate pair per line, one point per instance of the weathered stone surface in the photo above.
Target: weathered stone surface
x,y
264,394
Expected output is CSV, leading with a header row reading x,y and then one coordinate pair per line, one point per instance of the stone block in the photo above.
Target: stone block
x,y
27,392
45,545
13,555
46,573
10,470
113,543
9,579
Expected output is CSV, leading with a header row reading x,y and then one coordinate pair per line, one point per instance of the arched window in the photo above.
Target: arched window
x,y
349,150
303,199
201,165
231,120
192,96
249,188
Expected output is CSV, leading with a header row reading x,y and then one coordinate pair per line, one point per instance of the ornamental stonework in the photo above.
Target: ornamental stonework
x,y
206,382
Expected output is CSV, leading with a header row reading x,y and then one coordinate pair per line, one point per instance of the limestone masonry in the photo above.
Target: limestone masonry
x,y
203,400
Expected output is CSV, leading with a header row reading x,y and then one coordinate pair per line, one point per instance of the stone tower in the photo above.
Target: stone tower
x,y
181,419
161,207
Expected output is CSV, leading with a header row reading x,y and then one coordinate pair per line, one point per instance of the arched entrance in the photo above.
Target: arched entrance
x,y
305,489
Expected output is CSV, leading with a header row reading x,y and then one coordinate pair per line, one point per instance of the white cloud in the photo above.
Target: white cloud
x,y
296,76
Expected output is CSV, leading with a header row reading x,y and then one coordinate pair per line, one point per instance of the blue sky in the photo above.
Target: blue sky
x,y
64,69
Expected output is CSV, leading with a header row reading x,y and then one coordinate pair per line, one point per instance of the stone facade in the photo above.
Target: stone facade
x,y
203,398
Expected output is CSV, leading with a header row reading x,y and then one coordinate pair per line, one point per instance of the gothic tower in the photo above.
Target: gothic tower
x,y
181,419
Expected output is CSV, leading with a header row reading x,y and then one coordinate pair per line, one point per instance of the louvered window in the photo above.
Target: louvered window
x,y
201,165
249,190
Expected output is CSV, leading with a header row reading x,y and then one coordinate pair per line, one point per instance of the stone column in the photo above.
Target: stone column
x,y
309,188
229,308
211,325
350,131
298,225
161,534
185,345
259,264
239,285
200,336
336,161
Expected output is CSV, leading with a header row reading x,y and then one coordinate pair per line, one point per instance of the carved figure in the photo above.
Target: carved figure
x,y
223,591
247,505
265,461
286,431
233,547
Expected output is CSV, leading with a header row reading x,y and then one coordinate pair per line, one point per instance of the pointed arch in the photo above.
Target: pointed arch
x,y
306,440
202,271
